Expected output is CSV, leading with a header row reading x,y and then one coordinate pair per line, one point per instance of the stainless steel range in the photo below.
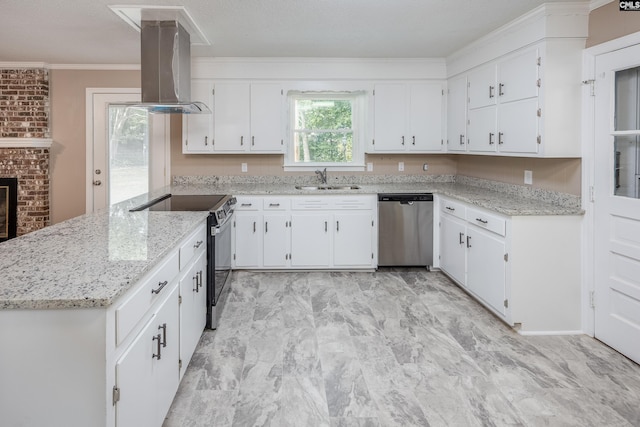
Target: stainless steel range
x,y
221,209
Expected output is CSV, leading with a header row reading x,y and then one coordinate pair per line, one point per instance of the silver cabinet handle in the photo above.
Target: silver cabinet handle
x,y
159,348
402,139
461,240
491,89
500,135
325,227
198,244
242,140
491,135
449,208
246,205
414,140
160,286
253,140
483,221
461,139
468,241
254,226
200,278
274,205
500,91
266,227
337,225
195,279
164,334
206,141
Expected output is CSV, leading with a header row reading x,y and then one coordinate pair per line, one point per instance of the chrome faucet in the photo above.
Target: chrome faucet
x,y
322,175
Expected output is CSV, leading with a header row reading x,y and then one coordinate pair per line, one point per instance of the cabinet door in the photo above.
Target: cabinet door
x,y
457,114
276,240
231,117
248,241
353,239
197,129
486,267
310,239
134,377
518,126
266,118
518,77
482,130
482,86
390,118
193,309
453,236
425,117
166,371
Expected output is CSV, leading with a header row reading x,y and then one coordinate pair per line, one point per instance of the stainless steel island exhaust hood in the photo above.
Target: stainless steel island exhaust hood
x,y
165,68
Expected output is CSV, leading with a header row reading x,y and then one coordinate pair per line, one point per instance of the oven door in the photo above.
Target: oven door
x,y
219,271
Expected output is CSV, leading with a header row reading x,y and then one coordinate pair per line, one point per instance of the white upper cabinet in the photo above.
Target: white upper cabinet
x,y
457,114
197,129
408,117
482,86
247,117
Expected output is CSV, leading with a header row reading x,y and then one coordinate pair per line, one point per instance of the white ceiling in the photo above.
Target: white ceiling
x,y
88,32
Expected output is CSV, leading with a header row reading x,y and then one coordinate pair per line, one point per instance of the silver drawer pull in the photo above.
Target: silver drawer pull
x,y
484,221
198,244
274,205
461,241
160,286
449,208
159,348
246,204
164,334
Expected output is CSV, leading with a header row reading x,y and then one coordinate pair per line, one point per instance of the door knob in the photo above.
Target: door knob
x,y
97,182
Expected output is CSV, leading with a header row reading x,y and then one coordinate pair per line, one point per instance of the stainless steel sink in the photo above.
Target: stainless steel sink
x,y
327,187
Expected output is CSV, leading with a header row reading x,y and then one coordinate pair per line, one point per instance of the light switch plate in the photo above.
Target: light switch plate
x,y
528,177
401,166
369,167
243,167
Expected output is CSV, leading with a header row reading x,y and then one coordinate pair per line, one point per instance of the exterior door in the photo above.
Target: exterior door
x,y
617,206
127,150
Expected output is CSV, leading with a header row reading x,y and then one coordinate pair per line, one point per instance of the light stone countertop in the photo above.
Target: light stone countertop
x,y
91,260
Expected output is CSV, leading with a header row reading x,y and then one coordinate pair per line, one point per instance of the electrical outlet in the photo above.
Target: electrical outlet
x,y
243,166
425,167
528,177
401,166
369,167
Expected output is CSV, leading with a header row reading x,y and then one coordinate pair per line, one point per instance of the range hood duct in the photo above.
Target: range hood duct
x,y
165,68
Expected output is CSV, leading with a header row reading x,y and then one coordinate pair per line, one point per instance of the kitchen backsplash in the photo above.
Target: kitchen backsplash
x,y
526,192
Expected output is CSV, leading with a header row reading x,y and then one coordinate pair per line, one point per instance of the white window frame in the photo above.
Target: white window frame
x,y
358,127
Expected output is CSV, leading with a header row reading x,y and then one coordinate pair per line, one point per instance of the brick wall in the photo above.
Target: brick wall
x,y
24,103
24,114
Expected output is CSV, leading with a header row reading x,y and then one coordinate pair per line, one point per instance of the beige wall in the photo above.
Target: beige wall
x,y
68,130
608,22
563,175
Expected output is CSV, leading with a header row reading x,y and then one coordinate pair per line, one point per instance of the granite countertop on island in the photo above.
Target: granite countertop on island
x,y
91,260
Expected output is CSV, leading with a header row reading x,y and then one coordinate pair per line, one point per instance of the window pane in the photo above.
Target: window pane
x,y
627,111
627,166
128,153
323,114
334,147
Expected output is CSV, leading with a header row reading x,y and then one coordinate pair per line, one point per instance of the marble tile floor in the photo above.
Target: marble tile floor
x,y
391,348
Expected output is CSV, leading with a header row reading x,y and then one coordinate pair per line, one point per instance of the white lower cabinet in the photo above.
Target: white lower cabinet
x,y
117,366
305,232
525,269
193,308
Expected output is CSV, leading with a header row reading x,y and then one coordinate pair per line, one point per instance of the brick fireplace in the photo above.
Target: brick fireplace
x,y
24,142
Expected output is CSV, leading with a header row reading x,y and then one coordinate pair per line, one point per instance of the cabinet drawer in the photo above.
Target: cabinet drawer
x,y
353,202
310,203
487,221
275,204
194,245
248,203
453,208
134,308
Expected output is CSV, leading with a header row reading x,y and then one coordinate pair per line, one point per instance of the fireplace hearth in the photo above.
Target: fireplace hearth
x,y
8,208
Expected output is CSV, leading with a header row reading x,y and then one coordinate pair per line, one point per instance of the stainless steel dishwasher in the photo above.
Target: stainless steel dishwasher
x,y
405,230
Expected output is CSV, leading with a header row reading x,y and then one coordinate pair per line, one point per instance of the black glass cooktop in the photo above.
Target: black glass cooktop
x,y
170,202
